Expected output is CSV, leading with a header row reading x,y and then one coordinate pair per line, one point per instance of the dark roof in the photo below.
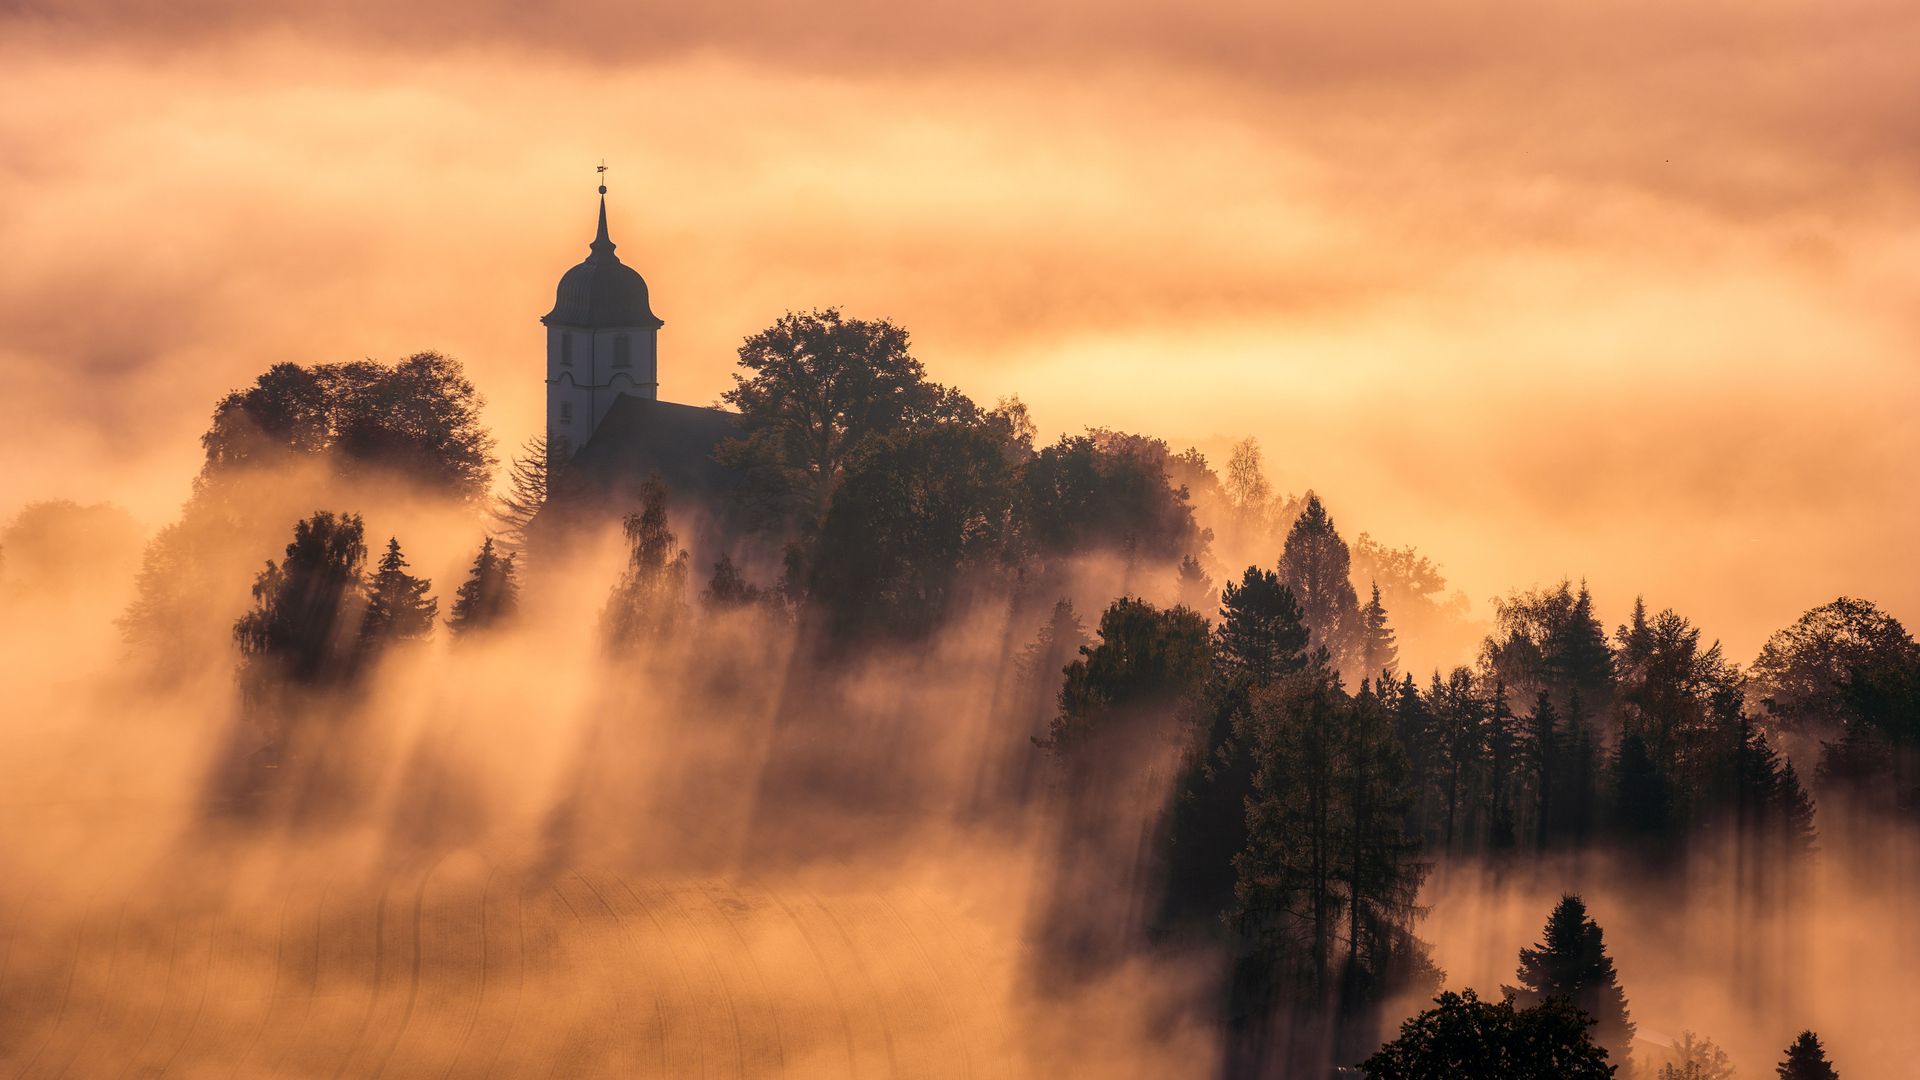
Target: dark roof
x,y
602,293
639,438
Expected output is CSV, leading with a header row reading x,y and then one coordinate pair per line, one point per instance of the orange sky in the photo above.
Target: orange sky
x,y
1622,291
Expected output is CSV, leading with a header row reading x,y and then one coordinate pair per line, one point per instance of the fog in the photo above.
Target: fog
x,y
519,853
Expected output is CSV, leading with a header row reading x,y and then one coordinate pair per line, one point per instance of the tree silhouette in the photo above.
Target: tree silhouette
x,y
398,607
1379,653
1146,658
1696,1058
526,493
820,392
1316,565
1463,1036
1571,962
1107,491
651,593
490,596
1806,1060
307,608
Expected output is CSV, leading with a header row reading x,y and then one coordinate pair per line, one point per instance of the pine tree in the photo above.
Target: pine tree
x,y
1379,653
1459,738
1194,585
1261,635
1806,1060
398,607
1317,566
1642,799
490,595
1572,962
1503,753
1544,727
526,493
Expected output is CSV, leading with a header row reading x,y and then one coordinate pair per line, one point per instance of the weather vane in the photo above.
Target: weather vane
x,y
602,170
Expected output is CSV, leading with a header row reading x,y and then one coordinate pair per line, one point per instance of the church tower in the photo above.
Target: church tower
x,y
602,341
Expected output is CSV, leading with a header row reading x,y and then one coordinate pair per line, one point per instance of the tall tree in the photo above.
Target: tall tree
x,y
307,608
491,594
1806,1060
1379,653
398,607
526,493
817,393
1572,962
651,593
1544,725
1459,738
1316,565
1146,658
1463,1036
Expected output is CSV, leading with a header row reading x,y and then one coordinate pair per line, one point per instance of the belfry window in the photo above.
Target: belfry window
x,y
566,412
566,349
622,351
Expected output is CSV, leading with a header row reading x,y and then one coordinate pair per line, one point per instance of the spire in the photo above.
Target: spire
x,y
602,244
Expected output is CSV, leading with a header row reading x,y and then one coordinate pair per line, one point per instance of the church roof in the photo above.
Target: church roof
x,y
602,293
641,437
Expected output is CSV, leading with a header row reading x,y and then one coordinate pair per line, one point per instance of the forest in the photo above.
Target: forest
x,y
1253,767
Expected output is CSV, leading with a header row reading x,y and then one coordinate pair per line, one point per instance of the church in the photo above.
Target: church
x,y
607,428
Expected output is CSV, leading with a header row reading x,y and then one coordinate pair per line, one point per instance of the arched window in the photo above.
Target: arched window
x,y
566,412
566,348
622,351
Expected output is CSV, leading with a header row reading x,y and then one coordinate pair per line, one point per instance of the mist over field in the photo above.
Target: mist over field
x,y
1174,541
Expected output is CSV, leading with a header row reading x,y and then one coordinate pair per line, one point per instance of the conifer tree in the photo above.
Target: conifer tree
x,y
490,595
727,590
1544,734
1379,653
526,493
1642,800
1195,586
398,607
1317,566
1503,754
1806,1060
1572,962
1459,719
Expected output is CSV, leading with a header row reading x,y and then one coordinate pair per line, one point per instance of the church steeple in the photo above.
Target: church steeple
x,y
602,342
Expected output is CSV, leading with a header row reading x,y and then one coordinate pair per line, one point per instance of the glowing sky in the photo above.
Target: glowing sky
x,y
1618,290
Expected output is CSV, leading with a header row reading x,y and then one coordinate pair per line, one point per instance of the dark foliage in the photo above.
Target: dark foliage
x,y
491,594
1464,1038
1806,1060
1571,962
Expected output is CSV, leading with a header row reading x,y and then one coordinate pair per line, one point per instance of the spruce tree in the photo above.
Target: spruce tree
x,y
1544,735
1261,635
398,607
1193,583
1317,566
1806,1060
490,595
1572,962
1379,652
526,493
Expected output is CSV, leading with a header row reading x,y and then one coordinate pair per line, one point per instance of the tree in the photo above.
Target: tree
x,y
490,596
1801,674
1642,794
526,493
1466,1037
307,608
1193,584
819,393
1259,638
398,607
1544,730
1696,1058
1246,484
1379,654
648,599
419,419
727,590
1572,963
909,522
1106,491
1147,658
1262,635
1315,564
1550,639
1806,1060
1459,739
